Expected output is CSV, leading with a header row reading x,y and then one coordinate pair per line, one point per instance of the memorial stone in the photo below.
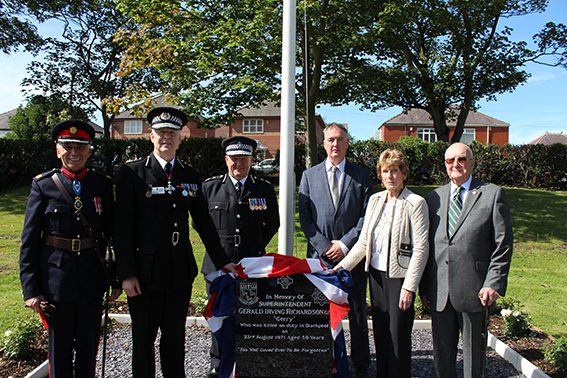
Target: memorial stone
x,y
282,328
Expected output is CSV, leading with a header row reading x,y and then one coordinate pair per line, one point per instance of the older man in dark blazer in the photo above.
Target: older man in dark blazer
x,y
332,201
154,256
471,246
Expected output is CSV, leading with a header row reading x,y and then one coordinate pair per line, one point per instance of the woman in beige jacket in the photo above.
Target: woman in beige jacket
x,y
394,240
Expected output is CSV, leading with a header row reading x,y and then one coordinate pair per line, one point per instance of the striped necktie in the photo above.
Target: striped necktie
x,y
455,208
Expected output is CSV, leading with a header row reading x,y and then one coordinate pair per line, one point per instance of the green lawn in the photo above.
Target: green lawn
x,y
538,277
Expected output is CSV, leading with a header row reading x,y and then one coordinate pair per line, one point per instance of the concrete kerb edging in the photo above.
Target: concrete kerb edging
x,y
520,363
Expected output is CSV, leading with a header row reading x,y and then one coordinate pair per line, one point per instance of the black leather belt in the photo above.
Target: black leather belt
x,y
231,239
74,245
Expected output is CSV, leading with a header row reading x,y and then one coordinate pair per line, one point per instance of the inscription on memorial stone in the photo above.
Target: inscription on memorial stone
x,y
282,328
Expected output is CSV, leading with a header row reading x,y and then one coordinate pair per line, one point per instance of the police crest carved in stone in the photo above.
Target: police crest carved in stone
x,y
248,293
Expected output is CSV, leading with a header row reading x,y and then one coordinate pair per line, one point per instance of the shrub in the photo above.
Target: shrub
x,y
556,353
508,303
420,307
526,166
18,341
516,322
201,300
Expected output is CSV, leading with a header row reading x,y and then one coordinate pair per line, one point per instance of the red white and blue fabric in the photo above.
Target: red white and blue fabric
x,y
220,309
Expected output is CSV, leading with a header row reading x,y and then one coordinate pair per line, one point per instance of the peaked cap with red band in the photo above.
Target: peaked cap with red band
x,y
73,131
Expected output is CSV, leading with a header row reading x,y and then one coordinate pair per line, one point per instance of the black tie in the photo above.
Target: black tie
x,y
238,188
168,170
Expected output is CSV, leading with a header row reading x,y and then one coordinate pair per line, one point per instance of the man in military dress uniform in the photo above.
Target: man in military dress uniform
x,y
62,273
244,209
154,256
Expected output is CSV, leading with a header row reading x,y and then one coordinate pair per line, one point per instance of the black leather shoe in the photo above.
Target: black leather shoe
x,y
362,372
213,373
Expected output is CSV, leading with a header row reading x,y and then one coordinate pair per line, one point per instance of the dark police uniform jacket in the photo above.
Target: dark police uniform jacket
x,y
149,221
59,274
246,224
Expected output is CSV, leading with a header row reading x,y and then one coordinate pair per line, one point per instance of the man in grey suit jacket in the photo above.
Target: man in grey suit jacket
x,y
332,223
468,263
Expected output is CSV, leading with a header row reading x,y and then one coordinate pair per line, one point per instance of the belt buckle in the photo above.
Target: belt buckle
x,y
236,240
75,245
175,238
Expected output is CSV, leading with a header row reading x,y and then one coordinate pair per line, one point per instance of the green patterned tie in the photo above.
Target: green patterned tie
x,y
455,208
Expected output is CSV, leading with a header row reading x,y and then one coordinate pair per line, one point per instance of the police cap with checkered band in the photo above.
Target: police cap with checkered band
x,y
167,118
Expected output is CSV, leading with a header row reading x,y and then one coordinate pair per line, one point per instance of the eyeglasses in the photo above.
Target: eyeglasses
x,y
461,160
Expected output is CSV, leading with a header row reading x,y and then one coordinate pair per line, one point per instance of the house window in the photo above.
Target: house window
x,y
427,135
253,126
132,127
4,133
468,136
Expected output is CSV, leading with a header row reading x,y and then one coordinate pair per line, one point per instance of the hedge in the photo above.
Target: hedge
x,y
525,166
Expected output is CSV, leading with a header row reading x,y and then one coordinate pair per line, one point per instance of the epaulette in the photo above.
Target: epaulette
x,y
261,179
184,162
100,174
134,160
43,175
219,177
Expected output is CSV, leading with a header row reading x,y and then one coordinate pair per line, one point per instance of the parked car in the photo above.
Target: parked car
x,y
266,166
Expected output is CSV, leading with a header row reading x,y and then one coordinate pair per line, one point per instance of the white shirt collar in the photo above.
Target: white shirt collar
x,y
466,186
163,162
234,181
341,165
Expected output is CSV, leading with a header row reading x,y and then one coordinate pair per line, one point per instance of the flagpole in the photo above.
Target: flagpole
x,y
287,131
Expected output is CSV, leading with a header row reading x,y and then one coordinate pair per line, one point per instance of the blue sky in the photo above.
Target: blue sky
x,y
538,106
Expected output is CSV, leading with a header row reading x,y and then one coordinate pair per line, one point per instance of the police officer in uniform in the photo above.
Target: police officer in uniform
x,y
63,275
154,256
244,209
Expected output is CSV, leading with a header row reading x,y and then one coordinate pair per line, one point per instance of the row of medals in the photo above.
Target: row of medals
x,y
188,189
257,204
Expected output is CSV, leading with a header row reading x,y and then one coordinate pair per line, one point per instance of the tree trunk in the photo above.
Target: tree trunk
x,y
107,121
311,158
460,127
437,113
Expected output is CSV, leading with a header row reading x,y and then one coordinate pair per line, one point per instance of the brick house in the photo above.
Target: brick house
x,y
128,126
5,127
550,139
418,123
261,124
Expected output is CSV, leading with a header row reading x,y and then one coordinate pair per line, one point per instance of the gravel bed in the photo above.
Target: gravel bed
x,y
119,355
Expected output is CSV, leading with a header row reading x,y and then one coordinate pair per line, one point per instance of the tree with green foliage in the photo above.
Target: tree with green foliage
x,y
15,31
441,56
552,41
81,65
218,56
37,118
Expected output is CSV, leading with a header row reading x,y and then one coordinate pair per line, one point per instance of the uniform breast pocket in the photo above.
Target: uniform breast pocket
x,y
57,214
219,213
